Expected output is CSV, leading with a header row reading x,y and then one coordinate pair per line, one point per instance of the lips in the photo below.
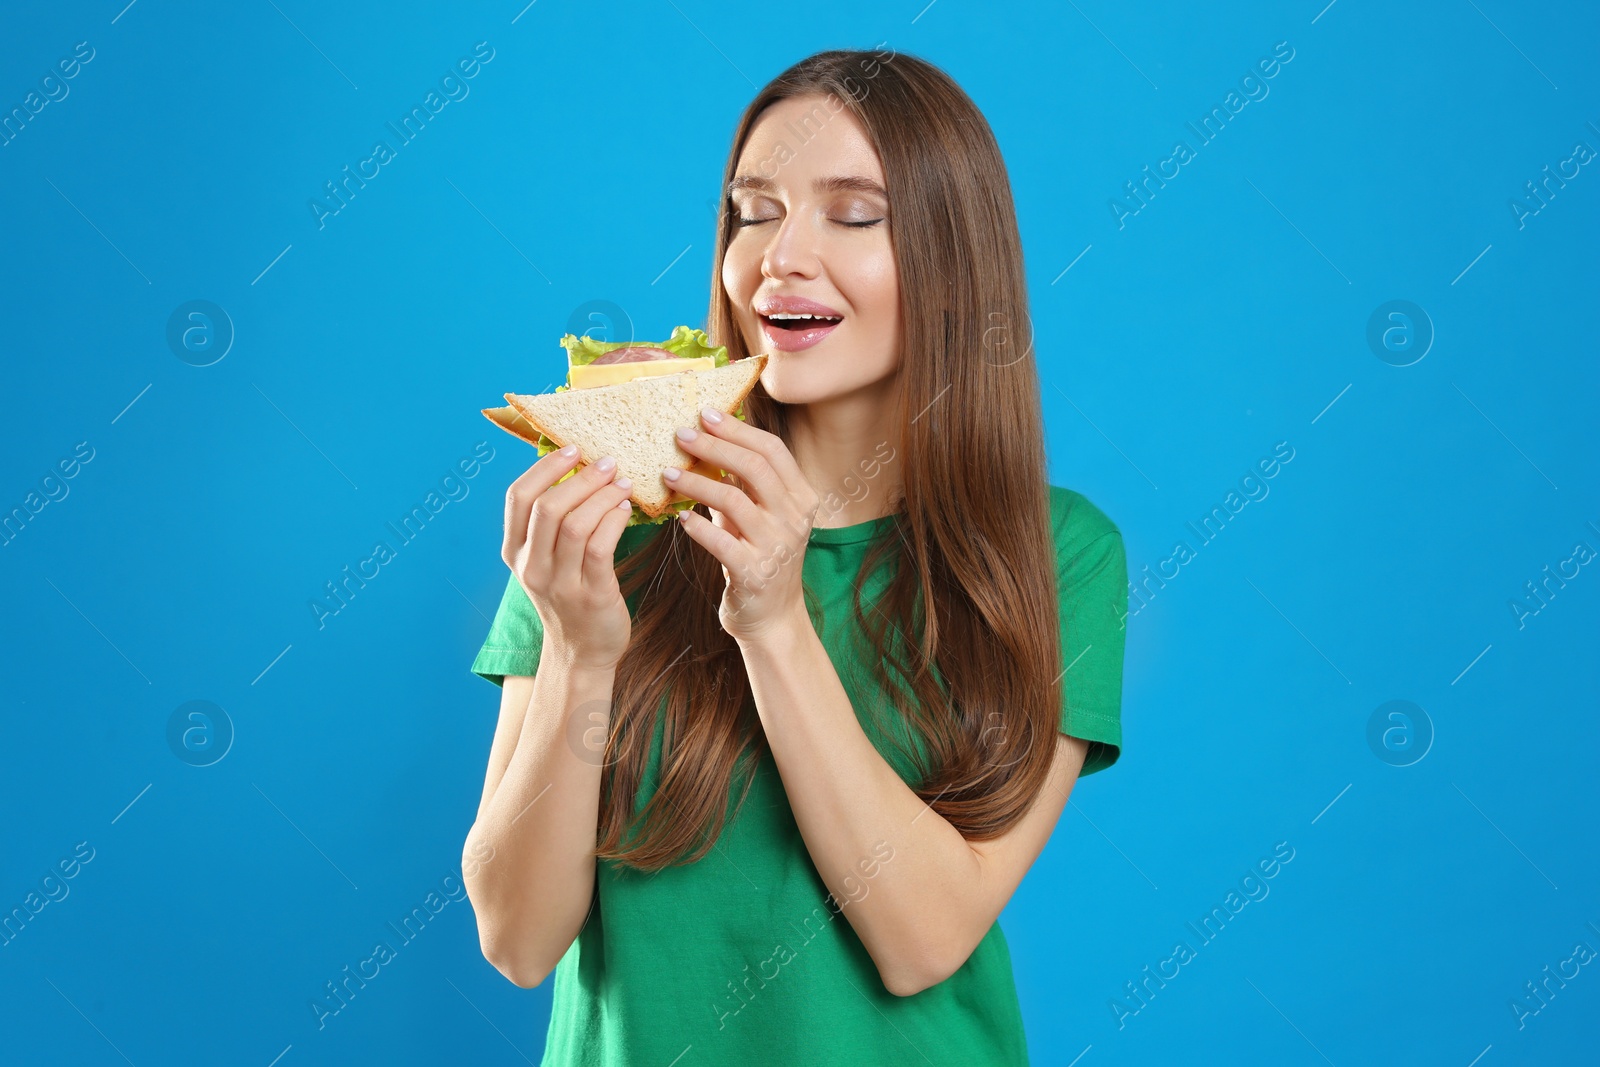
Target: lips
x,y
787,339
792,323
796,305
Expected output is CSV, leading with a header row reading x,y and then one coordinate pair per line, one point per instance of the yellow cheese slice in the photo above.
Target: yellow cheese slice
x,y
591,376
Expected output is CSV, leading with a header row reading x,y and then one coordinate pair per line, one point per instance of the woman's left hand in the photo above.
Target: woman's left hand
x,y
758,533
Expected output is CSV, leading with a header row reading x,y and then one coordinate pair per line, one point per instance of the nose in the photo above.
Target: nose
x,y
792,250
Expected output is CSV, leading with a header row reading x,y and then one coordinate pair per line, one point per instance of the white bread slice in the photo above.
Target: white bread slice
x,y
634,422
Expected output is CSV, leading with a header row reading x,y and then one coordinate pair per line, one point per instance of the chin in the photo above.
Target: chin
x,y
788,384
787,387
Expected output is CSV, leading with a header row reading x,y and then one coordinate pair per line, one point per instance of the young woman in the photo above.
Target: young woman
x,y
765,775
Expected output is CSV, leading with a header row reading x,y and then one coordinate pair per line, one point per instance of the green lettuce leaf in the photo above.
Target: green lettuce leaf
x,y
684,343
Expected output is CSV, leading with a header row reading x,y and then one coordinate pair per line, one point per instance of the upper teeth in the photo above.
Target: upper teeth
x,y
789,315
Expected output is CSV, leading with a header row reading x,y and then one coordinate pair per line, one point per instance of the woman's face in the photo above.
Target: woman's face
x,y
812,225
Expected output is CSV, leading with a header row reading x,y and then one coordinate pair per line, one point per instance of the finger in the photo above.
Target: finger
x,y
716,540
723,521
768,445
599,558
728,499
555,503
753,469
521,493
573,531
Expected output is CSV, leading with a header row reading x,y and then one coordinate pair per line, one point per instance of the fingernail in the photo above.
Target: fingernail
x,y
625,505
671,474
711,415
624,483
688,433
606,463
570,451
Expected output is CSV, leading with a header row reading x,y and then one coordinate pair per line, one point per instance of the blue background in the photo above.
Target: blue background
x,y
1229,314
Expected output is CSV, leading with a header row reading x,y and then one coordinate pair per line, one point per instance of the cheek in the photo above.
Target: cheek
x,y
732,275
740,278
877,292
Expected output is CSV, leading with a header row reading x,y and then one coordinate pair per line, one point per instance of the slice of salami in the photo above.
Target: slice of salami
x,y
632,354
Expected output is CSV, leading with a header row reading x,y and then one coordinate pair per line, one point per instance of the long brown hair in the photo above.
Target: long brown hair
x,y
971,529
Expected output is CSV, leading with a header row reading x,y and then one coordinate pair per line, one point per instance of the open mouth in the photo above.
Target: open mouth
x,y
800,322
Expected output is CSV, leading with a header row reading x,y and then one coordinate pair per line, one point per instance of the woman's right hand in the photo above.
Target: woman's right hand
x,y
560,542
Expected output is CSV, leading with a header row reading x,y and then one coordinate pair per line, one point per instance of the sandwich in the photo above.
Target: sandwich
x,y
626,399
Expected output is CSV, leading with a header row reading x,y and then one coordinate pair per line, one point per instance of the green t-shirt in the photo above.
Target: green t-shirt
x,y
741,957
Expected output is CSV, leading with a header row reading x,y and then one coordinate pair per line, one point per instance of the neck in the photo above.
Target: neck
x,y
849,453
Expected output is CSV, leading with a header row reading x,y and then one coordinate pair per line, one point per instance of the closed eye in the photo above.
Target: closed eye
x,y
756,222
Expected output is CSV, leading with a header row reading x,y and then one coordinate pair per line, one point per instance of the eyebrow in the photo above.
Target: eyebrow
x,y
853,182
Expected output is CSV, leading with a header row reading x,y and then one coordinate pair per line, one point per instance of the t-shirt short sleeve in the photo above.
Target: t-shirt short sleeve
x,y
515,637
1092,573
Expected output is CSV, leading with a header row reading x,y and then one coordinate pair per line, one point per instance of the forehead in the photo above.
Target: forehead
x,y
794,141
